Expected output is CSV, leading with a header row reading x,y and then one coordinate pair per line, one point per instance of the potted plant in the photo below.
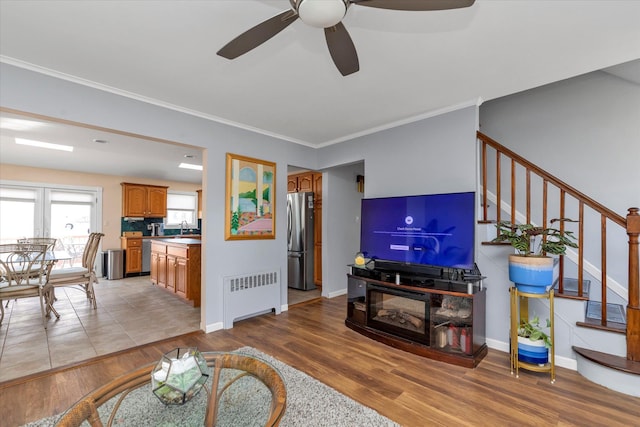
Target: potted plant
x,y
531,269
533,342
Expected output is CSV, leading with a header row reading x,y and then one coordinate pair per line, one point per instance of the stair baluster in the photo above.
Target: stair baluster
x,y
631,224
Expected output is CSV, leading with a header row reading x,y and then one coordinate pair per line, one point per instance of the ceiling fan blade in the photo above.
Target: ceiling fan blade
x,y
415,4
342,49
257,35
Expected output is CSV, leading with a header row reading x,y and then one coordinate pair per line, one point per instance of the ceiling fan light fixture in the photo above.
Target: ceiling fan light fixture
x,y
322,13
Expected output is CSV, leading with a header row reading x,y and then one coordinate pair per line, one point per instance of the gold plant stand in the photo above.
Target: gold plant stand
x,y
519,310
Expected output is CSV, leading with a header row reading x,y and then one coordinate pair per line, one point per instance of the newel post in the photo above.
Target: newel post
x,y
633,308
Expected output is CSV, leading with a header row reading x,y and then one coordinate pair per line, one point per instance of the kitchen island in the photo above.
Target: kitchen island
x,y
175,267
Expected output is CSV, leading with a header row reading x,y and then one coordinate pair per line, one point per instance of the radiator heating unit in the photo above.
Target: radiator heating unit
x,y
250,294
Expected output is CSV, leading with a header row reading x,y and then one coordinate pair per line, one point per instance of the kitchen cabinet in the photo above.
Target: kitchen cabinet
x,y
171,273
154,267
311,181
301,182
148,201
133,254
199,203
317,229
175,267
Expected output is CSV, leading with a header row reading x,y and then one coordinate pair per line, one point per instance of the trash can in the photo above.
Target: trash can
x,y
113,264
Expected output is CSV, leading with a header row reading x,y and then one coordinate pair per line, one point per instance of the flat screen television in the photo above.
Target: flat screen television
x,y
434,229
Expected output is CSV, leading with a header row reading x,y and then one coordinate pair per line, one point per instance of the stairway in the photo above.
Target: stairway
x,y
601,308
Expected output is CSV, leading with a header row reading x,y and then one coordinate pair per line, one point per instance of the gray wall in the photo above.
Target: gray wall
x,y
37,93
585,131
435,155
341,225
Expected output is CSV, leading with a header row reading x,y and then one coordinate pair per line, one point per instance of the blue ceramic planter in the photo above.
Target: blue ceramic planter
x,y
531,274
532,351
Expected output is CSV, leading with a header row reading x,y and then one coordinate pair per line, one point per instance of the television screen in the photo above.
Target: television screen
x,y
435,229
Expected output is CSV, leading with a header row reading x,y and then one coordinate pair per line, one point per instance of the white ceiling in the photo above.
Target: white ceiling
x,y
412,64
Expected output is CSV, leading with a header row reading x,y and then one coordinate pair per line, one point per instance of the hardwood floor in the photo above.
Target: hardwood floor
x,y
409,389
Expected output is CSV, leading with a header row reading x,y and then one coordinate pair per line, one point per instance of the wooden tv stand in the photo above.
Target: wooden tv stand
x,y
430,316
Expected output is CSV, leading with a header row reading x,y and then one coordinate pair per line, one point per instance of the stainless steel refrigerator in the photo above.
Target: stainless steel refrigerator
x,y
300,240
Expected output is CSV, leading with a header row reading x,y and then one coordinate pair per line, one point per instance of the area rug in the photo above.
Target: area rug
x,y
309,403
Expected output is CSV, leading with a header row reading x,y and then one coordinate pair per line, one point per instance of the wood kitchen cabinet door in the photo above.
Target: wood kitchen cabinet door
x,y
134,200
300,182
154,268
162,270
156,202
181,271
317,187
171,272
317,229
134,260
305,183
132,254
147,201
292,184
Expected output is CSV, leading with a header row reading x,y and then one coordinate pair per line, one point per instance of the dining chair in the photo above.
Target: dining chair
x,y
80,277
23,274
49,241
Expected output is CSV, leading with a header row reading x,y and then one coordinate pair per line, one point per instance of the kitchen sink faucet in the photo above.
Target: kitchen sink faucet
x,y
183,226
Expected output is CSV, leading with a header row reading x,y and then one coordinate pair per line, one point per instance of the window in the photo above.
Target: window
x,y
181,207
64,212
18,213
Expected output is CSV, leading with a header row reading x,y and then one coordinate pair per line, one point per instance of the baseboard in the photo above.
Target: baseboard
x,y
214,327
561,361
337,293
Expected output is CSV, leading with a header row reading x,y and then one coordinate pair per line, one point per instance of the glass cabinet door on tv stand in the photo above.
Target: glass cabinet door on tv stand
x,y
452,323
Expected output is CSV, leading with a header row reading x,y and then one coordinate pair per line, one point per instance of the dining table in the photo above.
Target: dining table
x,y
28,264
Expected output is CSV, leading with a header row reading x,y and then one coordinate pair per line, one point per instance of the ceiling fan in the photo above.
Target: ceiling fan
x,y
328,14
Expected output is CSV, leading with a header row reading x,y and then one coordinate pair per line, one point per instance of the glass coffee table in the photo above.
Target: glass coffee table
x,y
242,390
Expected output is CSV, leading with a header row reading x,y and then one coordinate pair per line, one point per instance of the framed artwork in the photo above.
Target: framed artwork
x,y
250,199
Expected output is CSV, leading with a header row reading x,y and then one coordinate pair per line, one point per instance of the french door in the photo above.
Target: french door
x,y
67,213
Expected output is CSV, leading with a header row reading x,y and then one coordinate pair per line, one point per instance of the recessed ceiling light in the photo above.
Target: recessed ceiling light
x,y
100,141
19,124
190,166
41,144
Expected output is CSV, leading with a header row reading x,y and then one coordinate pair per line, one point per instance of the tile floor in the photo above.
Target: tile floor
x,y
130,312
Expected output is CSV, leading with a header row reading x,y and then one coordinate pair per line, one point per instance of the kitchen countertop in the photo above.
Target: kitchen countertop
x,y
182,241
172,236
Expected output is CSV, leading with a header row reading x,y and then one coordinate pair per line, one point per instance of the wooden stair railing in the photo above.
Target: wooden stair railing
x,y
631,224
